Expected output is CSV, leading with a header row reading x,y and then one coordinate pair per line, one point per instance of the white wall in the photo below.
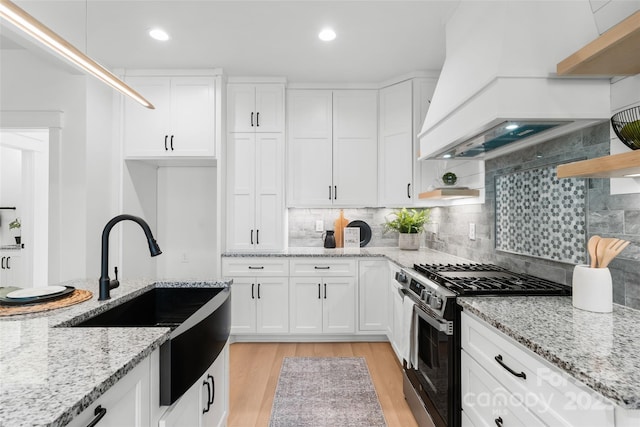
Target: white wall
x,y
10,191
77,173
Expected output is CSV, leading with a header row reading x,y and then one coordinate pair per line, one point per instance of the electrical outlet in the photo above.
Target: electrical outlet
x,y
472,231
319,225
184,259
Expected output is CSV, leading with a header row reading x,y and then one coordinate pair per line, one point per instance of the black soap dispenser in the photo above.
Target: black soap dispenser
x,y
329,239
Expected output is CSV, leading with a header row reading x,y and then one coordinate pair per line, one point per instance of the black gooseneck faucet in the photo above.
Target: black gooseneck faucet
x,y
106,284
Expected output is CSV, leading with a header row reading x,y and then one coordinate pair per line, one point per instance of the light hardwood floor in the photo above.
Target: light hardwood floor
x,y
255,367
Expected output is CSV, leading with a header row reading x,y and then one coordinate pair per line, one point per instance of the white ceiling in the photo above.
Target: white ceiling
x,y
377,40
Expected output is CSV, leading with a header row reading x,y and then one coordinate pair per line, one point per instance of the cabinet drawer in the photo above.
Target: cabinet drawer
x,y
322,266
254,266
487,403
550,393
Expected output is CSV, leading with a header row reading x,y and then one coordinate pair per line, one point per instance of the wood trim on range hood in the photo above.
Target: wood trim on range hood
x,y
615,53
614,166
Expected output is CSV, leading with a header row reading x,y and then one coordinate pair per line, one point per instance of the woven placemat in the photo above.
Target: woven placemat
x,y
78,296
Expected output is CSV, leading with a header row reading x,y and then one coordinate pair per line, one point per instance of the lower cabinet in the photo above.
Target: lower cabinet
x,y
504,383
322,305
373,286
395,331
260,305
205,404
125,404
11,273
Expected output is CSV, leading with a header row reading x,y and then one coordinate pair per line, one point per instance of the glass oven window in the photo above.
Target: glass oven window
x,y
434,351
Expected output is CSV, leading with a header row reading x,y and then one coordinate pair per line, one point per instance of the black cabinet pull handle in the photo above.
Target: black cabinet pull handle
x,y
499,421
329,192
252,119
8,266
252,236
213,388
2,263
257,237
325,291
258,290
171,143
253,285
99,413
335,192
256,268
511,371
409,190
258,119
326,267
319,287
165,143
205,410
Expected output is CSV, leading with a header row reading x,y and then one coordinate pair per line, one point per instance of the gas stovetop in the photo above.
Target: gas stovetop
x,y
488,279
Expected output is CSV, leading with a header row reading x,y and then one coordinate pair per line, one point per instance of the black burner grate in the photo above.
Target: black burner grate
x,y
489,279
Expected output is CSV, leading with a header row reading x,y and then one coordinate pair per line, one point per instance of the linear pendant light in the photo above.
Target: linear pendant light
x,y
31,26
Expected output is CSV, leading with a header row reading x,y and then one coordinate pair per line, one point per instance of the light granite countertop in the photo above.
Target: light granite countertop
x,y
602,350
49,373
401,257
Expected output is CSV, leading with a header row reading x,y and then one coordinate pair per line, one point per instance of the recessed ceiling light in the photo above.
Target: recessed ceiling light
x,y
327,35
447,156
511,126
159,34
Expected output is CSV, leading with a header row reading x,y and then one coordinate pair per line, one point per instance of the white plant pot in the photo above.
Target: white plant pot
x,y
409,241
592,289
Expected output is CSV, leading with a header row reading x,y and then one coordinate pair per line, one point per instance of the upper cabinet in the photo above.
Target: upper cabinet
x,y
181,125
255,107
332,147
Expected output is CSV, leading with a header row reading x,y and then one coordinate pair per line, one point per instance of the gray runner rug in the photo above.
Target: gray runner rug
x,y
325,392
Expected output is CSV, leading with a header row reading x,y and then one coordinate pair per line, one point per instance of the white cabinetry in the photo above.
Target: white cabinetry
x,y
322,296
205,404
255,176
11,273
505,383
182,123
373,295
259,295
332,144
395,331
255,107
126,403
403,107
255,208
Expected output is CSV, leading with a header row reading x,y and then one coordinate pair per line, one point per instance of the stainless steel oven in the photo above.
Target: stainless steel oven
x,y
432,369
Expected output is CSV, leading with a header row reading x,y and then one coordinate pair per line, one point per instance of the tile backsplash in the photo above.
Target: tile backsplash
x,y
302,225
606,215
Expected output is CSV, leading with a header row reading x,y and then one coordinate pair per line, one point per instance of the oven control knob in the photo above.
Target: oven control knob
x,y
426,296
435,302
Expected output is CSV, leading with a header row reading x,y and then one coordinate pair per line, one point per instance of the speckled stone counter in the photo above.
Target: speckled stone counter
x,y
600,350
401,257
49,373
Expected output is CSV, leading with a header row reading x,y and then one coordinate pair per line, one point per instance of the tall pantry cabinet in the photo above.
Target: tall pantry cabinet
x,y
255,171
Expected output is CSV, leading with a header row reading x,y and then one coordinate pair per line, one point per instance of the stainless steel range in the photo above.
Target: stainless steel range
x,y
432,376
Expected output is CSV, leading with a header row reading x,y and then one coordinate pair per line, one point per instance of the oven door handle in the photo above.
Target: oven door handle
x,y
440,325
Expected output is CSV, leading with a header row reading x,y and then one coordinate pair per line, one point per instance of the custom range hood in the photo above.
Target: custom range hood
x,y
497,90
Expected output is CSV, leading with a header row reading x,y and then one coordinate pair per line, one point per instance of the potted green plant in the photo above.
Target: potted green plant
x,y
15,225
409,223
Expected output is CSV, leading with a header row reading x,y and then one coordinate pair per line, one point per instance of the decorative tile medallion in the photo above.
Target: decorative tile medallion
x,y
542,216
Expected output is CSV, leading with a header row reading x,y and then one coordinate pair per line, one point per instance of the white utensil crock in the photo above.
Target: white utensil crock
x,y
592,289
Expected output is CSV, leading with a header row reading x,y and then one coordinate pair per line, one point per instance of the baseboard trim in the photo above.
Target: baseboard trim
x,y
308,338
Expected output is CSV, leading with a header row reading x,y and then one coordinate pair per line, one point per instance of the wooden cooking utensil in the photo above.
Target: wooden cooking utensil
x,y
602,245
339,226
611,251
591,247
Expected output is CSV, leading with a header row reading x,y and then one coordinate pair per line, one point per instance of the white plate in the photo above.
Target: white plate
x,y
36,292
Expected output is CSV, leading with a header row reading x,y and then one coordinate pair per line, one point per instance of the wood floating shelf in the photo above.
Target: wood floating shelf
x,y
615,53
614,166
449,193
